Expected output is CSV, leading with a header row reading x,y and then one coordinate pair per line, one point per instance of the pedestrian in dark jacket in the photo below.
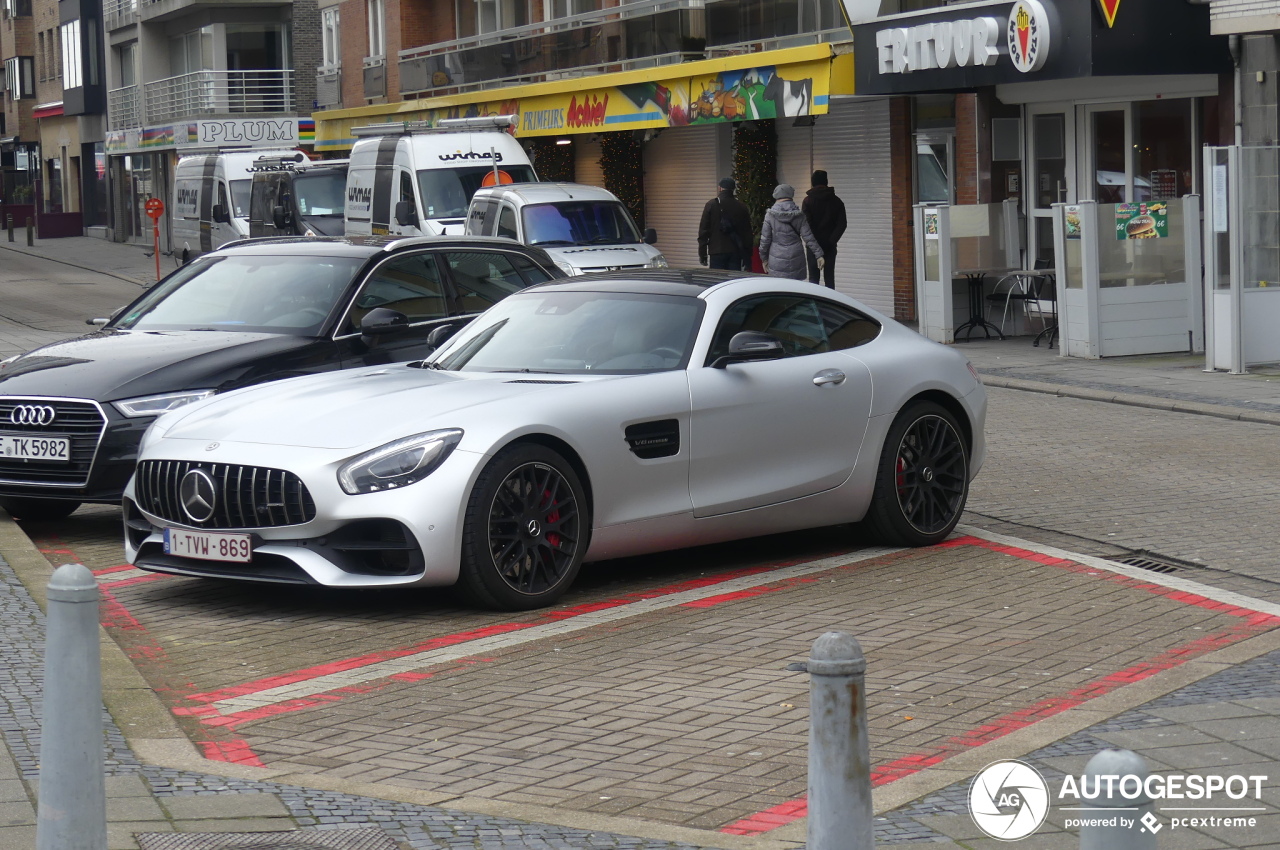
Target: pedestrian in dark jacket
x,y
784,237
724,233
825,213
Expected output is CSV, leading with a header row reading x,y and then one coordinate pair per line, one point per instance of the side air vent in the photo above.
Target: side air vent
x,y
538,381
654,439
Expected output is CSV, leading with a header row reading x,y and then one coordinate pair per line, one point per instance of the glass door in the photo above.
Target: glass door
x,y
1108,154
1051,178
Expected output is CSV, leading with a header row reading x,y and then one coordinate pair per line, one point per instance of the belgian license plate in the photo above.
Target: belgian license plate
x,y
35,448
208,545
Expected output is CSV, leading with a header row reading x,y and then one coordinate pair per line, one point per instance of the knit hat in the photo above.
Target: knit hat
x,y
728,184
784,190
819,178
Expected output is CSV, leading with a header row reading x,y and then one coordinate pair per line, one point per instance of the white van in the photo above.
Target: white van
x,y
410,180
584,228
211,195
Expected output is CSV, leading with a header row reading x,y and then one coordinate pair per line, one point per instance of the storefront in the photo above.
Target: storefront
x,y
684,116
1073,99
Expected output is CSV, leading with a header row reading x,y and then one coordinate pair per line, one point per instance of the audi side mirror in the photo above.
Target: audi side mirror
x,y
747,346
382,321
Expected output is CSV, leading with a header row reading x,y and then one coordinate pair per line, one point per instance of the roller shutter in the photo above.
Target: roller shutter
x,y
852,144
795,155
586,162
680,175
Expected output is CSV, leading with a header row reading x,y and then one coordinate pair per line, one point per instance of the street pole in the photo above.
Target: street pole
x,y
1103,830
30,232
839,749
72,809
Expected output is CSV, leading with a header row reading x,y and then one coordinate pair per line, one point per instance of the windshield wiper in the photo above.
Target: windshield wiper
x,y
552,242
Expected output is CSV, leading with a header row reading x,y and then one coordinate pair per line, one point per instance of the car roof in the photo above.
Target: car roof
x,y
690,282
541,193
359,246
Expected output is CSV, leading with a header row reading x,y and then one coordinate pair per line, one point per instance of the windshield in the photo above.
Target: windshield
x,y
320,194
288,295
446,192
578,332
578,223
241,191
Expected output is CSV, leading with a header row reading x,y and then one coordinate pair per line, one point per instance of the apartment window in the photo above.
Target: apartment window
x,y
17,9
42,59
20,72
129,64
191,51
566,8
72,70
377,29
330,38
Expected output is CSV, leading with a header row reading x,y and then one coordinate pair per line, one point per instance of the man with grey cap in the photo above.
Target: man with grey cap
x,y
785,235
724,233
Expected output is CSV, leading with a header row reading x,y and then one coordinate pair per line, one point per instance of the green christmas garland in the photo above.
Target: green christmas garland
x,y
554,163
755,168
623,166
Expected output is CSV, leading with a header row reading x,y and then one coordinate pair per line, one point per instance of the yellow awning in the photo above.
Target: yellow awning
x,y
778,83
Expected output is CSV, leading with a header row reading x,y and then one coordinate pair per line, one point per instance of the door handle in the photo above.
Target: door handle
x,y
828,376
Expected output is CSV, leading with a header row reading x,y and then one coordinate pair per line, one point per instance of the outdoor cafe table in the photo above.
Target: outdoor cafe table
x,y
977,278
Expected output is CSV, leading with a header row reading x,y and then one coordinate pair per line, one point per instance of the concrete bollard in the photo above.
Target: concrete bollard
x,y
1104,829
31,231
839,750
72,810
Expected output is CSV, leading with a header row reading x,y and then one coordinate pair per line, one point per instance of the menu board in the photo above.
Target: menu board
x,y
1142,221
1164,184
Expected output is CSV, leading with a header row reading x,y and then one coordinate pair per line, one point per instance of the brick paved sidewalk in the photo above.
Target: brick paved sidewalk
x,y
124,260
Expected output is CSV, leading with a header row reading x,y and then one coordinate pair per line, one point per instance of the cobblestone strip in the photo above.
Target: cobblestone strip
x,y
21,680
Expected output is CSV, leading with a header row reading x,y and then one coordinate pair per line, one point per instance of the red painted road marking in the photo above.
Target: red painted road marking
x,y
1254,623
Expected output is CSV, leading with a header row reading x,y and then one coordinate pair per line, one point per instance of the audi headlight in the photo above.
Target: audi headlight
x,y
154,405
658,262
397,464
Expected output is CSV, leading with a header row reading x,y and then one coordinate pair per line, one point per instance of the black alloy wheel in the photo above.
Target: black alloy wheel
x,y
525,532
923,479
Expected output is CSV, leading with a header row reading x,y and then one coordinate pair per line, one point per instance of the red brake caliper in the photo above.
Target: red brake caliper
x,y
552,518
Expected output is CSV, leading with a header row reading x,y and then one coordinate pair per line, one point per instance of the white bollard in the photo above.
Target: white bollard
x,y
839,750
72,811
1107,828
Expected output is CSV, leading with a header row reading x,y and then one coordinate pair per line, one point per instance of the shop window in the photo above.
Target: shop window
x,y
1162,148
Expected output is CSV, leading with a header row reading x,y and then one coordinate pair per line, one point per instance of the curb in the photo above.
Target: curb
x,y
38,255
1151,402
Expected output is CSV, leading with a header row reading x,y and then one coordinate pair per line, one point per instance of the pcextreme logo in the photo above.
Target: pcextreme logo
x,y
1109,9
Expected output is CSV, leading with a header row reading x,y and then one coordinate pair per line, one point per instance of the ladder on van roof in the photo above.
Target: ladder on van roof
x,y
445,125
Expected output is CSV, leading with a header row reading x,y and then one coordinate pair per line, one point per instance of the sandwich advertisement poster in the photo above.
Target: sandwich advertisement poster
x,y
1142,221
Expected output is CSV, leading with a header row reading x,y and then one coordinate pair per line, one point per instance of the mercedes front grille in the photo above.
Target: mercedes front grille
x,y
245,497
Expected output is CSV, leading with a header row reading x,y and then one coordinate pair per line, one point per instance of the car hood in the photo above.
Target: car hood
x,y
113,364
596,256
347,410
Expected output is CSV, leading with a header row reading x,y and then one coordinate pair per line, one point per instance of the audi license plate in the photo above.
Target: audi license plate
x,y
208,545
35,448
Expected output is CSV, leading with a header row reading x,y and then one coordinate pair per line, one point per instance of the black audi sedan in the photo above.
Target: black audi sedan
x,y
72,413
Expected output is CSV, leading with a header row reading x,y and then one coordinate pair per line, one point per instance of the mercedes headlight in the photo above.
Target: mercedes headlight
x,y
154,405
397,464
658,262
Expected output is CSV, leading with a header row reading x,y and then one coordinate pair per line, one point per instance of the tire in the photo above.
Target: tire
x,y
39,510
525,531
922,481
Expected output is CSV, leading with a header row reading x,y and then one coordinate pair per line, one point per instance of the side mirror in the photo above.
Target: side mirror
x,y
405,215
747,346
220,214
650,236
101,321
440,333
382,321
280,218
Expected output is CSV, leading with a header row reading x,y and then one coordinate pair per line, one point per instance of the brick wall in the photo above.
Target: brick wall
x,y
1223,9
306,53
355,44
973,148
902,154
17,38
44,15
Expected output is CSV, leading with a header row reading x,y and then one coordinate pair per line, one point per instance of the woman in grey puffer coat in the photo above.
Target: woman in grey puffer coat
x,y
784,236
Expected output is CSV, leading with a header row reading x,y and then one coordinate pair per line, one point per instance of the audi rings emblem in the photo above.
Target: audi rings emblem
x,y
198,495
32,414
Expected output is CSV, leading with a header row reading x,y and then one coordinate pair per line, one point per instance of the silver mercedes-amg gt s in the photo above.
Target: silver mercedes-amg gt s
x,y
578,420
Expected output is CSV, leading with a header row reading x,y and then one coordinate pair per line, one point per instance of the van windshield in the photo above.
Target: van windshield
x,y
320,194
282,294
446,192
578,223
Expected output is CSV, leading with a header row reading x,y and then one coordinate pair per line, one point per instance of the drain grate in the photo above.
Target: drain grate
x,y
362,838
1157,563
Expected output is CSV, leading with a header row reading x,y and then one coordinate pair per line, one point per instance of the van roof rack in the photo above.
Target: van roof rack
x,y
278,163
445,125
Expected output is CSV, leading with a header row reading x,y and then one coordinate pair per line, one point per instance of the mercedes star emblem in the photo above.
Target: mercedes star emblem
x,y
198,495
32,414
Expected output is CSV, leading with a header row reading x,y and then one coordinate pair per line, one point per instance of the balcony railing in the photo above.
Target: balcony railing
x,y
329,88
119,13
642,33
219,93
124,108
